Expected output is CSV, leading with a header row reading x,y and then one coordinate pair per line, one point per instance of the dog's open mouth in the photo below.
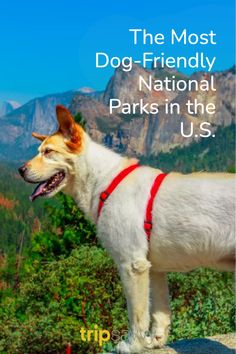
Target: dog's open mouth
x,y
47,187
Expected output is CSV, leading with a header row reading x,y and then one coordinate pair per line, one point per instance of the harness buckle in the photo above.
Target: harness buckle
x,y
103,196
147,225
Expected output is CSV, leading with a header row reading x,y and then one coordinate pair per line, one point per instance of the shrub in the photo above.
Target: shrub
x,y
58,299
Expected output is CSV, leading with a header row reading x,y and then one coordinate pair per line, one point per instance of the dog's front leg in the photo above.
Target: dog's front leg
x,y
135,279
160,310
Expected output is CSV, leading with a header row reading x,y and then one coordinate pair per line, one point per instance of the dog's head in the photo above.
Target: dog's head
x,y
53,167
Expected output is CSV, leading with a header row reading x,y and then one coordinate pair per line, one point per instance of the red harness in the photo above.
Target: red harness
x,y
118,179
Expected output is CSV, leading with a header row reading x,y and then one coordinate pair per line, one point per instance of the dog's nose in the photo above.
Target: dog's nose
x,y
22,170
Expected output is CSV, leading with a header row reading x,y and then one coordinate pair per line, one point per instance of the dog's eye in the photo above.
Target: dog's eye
x,y
47,151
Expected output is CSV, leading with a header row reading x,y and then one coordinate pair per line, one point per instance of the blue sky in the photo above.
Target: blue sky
x,y
50,46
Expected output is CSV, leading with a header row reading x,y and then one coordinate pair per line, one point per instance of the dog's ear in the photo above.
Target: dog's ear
x,y
65,120
39,136
69,129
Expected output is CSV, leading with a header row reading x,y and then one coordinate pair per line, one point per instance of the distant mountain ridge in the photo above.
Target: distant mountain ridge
x,y
37,114
8,106
146,135
133,134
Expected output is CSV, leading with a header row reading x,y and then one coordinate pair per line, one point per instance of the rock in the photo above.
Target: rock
x,y
219,344
98,120
16,142
150,134
133,134
8,106
125,87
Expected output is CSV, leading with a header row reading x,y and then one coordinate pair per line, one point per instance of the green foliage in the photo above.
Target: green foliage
x,y
55,302
80,120
212,154
202,304
65,229
18,218
231,169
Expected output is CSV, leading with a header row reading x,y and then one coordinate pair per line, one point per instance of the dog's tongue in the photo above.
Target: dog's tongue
x,y
38,191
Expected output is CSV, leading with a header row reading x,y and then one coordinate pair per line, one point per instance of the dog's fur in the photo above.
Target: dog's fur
x,y
194,218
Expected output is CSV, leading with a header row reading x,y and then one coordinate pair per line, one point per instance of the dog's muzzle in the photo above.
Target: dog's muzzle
x,y
22,170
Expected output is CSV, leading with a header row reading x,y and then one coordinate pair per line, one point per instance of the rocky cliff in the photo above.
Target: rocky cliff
x,y
36,115
134,134
144,134
8,107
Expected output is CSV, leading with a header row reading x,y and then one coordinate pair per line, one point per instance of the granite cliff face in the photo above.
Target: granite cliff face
x,y
125,87
36,115
8,107
134,134
142,134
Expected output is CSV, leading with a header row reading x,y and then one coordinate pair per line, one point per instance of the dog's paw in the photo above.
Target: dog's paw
x,y
159,338
158,342
123,348
134,345
129,347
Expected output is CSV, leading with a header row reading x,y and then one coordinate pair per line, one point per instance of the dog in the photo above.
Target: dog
x,y
193,220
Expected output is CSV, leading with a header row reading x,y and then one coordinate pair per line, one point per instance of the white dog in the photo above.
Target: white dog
x,y
193,220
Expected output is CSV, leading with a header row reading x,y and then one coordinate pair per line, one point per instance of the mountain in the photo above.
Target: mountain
x,y
142,134
85,90
216,154
7,107
16,142
135,134
149,134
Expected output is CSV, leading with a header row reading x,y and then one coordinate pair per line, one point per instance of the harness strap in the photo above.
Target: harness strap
x,y
148,219
119,178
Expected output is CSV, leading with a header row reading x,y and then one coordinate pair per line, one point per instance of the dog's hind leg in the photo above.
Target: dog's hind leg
x,y
160,310
135,279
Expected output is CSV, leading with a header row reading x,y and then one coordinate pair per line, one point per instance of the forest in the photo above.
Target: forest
x,y
56,278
